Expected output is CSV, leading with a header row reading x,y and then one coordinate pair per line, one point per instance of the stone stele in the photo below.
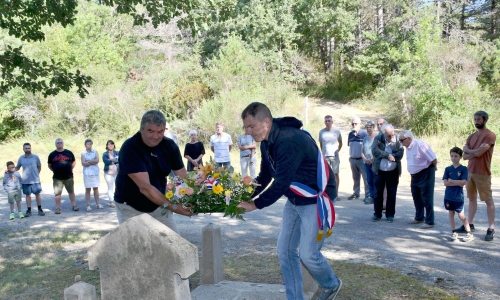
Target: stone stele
x,y
144,259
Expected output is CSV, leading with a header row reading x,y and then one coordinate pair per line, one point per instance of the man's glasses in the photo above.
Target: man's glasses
x,y
402,140
380,124
354,124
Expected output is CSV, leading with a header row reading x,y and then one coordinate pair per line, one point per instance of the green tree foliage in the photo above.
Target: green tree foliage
x,y
25,20
490,65
326,28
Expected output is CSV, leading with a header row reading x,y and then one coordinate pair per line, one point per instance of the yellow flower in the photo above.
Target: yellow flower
x,y
182,191
216,175
236,177
228,192
249,189
169,195
217,189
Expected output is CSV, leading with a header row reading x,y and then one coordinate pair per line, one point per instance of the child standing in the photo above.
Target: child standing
x,y
12,185
454,178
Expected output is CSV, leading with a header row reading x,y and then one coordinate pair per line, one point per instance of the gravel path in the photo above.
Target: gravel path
x,y
472,269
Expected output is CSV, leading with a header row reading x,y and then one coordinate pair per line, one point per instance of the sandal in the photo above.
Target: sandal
x,y
89,208
75,208
112,204
58,211
99,206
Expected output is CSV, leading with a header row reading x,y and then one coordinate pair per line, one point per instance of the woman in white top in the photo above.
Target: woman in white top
x,y
90,159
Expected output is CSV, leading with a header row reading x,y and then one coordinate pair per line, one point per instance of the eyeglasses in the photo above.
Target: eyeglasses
x,y
354,123
402,140
380,124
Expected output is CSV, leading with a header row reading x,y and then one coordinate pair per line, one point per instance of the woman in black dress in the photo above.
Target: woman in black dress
x,y
194,151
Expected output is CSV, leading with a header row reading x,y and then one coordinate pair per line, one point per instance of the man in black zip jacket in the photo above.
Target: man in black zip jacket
x,y
290,155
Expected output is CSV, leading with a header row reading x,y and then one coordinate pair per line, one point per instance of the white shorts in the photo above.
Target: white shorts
x,y
91,181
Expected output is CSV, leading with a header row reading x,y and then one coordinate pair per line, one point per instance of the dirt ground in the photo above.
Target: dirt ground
x,y
470,269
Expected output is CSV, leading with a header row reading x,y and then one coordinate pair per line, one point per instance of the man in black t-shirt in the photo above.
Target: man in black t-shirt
x,y
145,161
61,162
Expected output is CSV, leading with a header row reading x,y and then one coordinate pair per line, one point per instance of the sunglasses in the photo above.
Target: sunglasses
x,y
402,140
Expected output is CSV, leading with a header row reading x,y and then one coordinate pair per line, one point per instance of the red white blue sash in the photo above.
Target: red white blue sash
x,y
325,209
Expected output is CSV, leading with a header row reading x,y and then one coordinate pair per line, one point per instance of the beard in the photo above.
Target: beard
x,y
479,126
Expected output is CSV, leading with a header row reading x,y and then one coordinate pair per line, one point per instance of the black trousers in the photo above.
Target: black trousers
x,y
389,180
422,190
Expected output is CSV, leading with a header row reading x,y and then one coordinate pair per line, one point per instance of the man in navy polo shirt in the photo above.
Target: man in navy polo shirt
x,y
146,159
355,143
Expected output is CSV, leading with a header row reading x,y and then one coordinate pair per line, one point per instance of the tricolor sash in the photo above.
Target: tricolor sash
x,y
325,209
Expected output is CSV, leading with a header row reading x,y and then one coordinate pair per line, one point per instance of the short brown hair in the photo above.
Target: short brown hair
x,y
258,111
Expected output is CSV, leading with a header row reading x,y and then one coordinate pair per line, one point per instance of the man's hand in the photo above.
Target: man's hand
x,y
248,206
183,211
391,158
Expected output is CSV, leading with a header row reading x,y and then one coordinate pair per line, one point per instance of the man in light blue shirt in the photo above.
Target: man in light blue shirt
x,y
248,159
31,178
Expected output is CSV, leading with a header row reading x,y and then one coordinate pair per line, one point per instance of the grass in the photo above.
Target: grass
x,y
40,264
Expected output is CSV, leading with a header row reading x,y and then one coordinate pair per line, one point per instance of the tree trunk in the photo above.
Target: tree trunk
x,y
380,18
331,55
358,31
462,17
438,11
493,30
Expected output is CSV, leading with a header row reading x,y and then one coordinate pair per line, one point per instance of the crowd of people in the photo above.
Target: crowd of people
x,y
292,165
62,162
376,158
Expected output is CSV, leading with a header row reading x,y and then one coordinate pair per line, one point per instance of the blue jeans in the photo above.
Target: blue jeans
x,y
371,179
226,164
300,227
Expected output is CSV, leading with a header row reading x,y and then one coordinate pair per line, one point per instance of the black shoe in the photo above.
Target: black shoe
x,y
489,234
330,294
27,214
462,229
375,219
353,196
41,213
